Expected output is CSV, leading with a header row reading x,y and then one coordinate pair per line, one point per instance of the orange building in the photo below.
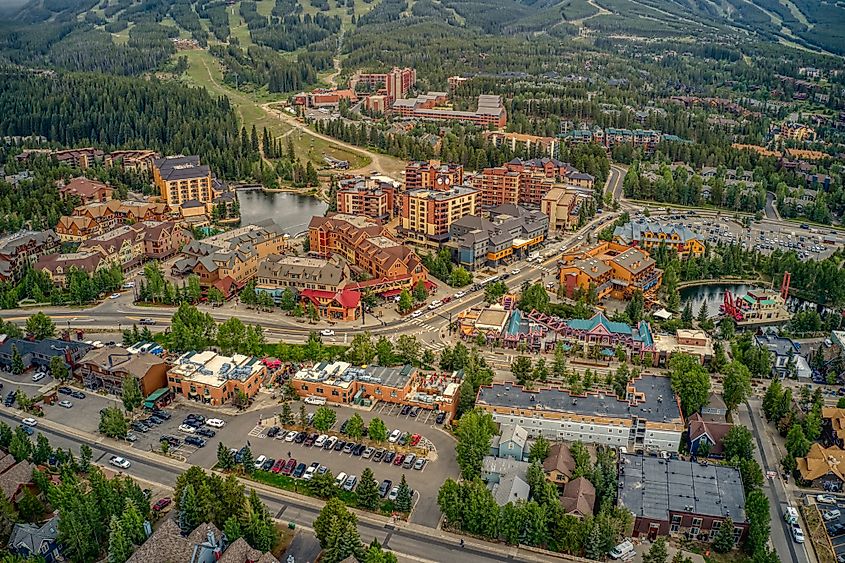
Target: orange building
x,y
427,215
433,175
366,197
214,379
183,178
88,191
526,182
342,383
610,269
431,106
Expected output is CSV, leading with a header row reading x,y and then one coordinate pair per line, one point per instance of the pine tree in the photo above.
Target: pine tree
x,y
367,490
724,540
132,523
344,542
657,553
403,498
190,513
120,547
232,529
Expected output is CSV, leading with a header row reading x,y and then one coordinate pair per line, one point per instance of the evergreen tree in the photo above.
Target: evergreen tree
x,y
724,540
132,523
190,511
367,490
120,547
131,394
403,499
657,552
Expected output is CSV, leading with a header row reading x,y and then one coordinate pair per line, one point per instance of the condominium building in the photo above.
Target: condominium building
x,y
648,418
651,233
563,205
431,107
109,367
366,197
58,266
21,250
610,268
77,158
530,144
214,379
396,82
433,175
506,233
369,249
182,178
88,191
426,215
95,219
278,272
132,160
527,182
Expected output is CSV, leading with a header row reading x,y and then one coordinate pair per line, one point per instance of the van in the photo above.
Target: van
x,y
340,479
621,550
312,400
409,461
790,515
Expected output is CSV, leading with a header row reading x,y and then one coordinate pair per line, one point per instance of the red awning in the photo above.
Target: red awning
x,y
391,292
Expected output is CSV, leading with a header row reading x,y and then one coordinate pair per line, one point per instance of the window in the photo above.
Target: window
x,y
696,522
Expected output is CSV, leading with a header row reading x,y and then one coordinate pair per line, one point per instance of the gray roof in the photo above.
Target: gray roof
x,y
511,488
635,231
504,466
651,487
28,538
330,272
514,433
657,405
391,376
117,359
778,345
48,347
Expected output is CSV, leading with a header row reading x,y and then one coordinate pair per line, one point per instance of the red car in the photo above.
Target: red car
x,y
398,459
161,504
415,439
278,466
289,467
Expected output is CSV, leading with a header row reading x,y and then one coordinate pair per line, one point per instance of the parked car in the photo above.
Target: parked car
x,y
797,533
289,467
398,459
415,411
299,471
147,321
273,431
29,421
408,463
393,494
378,454
830,515
278,466
259,461
384,488
64,390
27,430
291,435
368,453
140,427
359,450
327,332
39,376
350,483
441,417
77,394
309,472
268,464
394,436
419,464
405,410
195,441
162,503
403,439
10,399
65,404
130,437
300,437
215,422
164,415
415,439
320,441
347,449
826,499
207,432
187,429
388,457
340,479
175,442
309,441
120,462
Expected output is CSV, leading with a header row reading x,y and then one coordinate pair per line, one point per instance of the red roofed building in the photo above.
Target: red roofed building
x,y
89,191
342,305
707,432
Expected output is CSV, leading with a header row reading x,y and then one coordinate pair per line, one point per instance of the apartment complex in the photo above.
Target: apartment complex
x,y
426,215
530,144
645,139
94,219
59,266
506,233
88,191
433,107
647,419
132,160
214,379
648,234
324,98
76,158
433,175
340,382
367,197
369,249
562,205
527,182
612,269
230,259
109,367
181,179
129,245
21,250
395,83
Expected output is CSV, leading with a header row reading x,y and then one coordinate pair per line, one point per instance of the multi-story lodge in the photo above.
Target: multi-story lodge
x,y
563,206
396,83
491,110
77,158
527,182
368,249
433,175
111,366
182,178
21,250
59,266
530,144
649,234
88,191
130,245
647,419
508,232
94,219
426,215
610,269
132,160
368,197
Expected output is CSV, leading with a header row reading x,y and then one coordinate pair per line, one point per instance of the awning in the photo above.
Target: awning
x,y
391,292
150,401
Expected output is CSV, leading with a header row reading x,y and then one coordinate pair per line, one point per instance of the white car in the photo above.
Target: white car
x,y
515,271
187,428
416,314
215,423
394,436
830,515
435,304
129,285
114,296
327,332
321,441
65,403
797,534
826,499
39,376
118,461
460,294
393,494
291,435
313,400
29,421
309,473
259,461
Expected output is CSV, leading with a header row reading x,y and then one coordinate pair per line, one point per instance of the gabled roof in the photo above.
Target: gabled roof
x,y
715,431
514,433
596,320
15,477
28,538
579,497
821,461
560,459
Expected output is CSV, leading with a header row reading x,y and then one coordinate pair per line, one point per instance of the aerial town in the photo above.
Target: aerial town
x,y
380,281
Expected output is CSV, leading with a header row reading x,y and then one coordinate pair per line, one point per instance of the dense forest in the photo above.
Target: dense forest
x,y
115,112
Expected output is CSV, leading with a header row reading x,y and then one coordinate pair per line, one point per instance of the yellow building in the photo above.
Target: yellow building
x,y
649,234
426,215
611,269
181,179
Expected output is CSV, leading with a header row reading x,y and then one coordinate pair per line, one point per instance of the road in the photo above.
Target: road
x,y
410,543
771,210
615,181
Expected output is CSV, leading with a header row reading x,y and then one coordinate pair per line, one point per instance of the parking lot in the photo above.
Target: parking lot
x,y
836,533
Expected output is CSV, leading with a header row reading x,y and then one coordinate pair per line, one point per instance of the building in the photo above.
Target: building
x,y
432,175
94,219
133,160
645,139
670,497
340,382
506,478
22,250
559,465
369,249
59,266
183,178
652,233
510,233
694,342
205,544
510,443
123,246
88,191
15,477
229,260
109,367
610,269
277,272
648,418
823,468
432,107
425,215
562,205
528,144
367,197
396,83
715,410
785,355
214,379
75,158
707,432
527,182
37,540
39,353
579,497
